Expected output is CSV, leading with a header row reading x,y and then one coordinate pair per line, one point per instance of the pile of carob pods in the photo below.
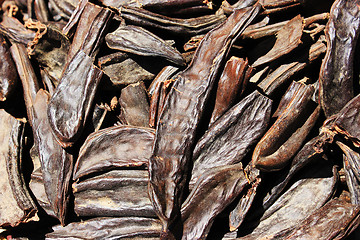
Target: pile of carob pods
x,y
180,119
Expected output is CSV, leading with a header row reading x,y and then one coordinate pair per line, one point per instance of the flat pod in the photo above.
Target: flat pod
x,y
123,69
56,163
16,204
232,135
286,71
172,26
64,7
335,220
114,147
117,193
70,105
181,115
303,198
287,39
134,105
8,74
136,40
13,29
213,192
109,228
336,73
51,52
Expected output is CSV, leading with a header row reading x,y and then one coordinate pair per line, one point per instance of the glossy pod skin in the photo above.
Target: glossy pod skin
x,y
336,73
56,163
99,153
177,125
232,135
136,40
117,193
70,105
9,76
231,85
289,131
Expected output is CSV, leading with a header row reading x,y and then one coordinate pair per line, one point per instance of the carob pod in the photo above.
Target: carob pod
x,y
9,77
134,105
335,220
181,114
90,31
173,26
56,163
117,193
284,43
16,204
109,228
70,105
229,139
231,85
306,195
114,147
213,192
289,131
137,40
336,73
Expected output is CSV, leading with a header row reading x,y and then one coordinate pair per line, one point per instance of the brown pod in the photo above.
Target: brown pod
x,y
8,74
336,73
288,133
285,42
90,31
16,204
335,220
70,105
174,26
137,40
213,192
134,105
114,147
131,228
181,115
231,85
56,163
117,193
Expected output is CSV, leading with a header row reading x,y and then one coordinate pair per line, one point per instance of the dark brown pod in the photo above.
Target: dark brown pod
x,y
213,192
114,147
70,105
181,115
56,163
288,133
117,193
109,228
285,42
336,73
229,139
231,85
335,220
9,76
134,105
137,40
174,26
90,31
